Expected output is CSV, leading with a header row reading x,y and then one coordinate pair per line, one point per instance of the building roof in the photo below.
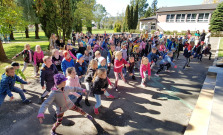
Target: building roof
x,y
188,8
148,18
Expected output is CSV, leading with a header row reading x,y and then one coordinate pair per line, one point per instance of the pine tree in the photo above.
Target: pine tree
x,y
216,23
148,12
154,7
136,16
131,18
128,18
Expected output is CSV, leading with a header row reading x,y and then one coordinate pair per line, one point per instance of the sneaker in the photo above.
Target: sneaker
x,y
167,71
157,75
96,111
90,117
110,96
24,91
41,99
78,104
133,77
27,101
54,132
87,102
188,66
116,89
143,85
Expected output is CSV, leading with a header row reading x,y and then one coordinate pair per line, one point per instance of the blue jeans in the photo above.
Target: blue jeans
x,y
124,71
98,99
16,90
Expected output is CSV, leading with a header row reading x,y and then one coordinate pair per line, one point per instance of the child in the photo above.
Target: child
x,y
180,47
145,66
38,58
142,47
19,72
61,44
118,65
188,54
166,62
153,57
73,81
124,56
80,66
81,48
46,76
90,51
118,47
110,57
69,42
131,66
97,55
207,50
88,79
67,62
60,97
198,52
27,57
136,55
72,51
57,59
86,57
61,53
102,63
7,85
100,84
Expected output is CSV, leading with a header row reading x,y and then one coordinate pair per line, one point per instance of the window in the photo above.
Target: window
x,y
180,18
203,17
153,26
191,17
170,18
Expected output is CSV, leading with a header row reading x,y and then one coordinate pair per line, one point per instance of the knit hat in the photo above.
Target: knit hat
x,y
100,59
14,64
59,78
79,55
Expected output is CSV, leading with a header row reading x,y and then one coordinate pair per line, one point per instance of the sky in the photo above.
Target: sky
x,y
118,6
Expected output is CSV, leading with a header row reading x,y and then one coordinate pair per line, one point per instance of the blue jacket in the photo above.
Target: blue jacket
x,y
105,45
81,69
7,84
171,45
167,60
46,74
152,57
65,64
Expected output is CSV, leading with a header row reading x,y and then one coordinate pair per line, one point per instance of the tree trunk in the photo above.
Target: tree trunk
x,y
64,35
11,34
36,31
3,57
27,32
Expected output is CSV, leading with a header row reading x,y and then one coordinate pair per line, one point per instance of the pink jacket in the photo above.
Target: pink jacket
x,y
73,82
144,68
118,65
71,54
162,48
37,57
142,46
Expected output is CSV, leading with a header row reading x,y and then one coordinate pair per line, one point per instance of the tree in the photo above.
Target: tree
x,y
142,6
148,12
118,27
131,18
154,7
216,23
128,18
100,12
135,16
211,1
11,15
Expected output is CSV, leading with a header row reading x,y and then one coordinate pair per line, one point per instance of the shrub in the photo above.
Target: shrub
x,y
118,27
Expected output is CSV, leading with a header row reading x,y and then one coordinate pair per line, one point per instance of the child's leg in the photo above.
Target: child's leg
x,y
168,65
178,54
77,109
160,68
143,79
108,71
98,100
25,66
116,79
2,98
210,55
37,67
59,121
124,70
35,73
152,65
123,78
22,86
106,93
88,88
17,90
186,63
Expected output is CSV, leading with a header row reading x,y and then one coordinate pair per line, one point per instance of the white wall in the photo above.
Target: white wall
x,y
183,26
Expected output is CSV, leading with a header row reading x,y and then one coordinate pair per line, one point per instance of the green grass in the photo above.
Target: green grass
x,y
21,37
99,31
220,52
12,49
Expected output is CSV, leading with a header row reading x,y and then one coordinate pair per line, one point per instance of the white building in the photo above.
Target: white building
x,y
181,18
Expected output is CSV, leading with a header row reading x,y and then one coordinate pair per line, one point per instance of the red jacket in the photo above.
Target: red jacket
x,y
118,65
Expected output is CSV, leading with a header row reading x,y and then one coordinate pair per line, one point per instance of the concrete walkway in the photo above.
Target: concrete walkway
x,y
164,107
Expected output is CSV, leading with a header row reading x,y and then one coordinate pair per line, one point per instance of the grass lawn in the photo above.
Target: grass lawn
x,y
12,49
99,31
21,37
220,52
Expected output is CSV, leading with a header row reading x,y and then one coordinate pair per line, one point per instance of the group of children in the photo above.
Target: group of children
x,y
62,74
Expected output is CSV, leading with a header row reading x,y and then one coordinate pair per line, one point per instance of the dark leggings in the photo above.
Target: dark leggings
x,y
168,65
187,62
37,66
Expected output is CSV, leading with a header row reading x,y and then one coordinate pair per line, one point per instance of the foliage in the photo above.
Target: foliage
x,y
142,6
128,18
216,23
148,13
135,16
99,12
134,31
154,7
153,31
118,27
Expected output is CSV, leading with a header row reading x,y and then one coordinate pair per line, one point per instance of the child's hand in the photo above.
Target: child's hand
x,y
160,57
43,87
79,77
103,89
40,120
109,64
149,77
131,74
127,65
175,66
11,98
13,57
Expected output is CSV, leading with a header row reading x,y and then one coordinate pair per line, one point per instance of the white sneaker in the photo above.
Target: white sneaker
x,y
143,85
167,71
156,75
